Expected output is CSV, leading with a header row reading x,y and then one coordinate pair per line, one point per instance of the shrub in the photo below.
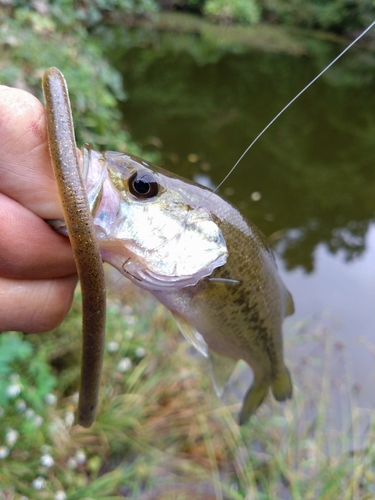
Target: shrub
x,y
241,11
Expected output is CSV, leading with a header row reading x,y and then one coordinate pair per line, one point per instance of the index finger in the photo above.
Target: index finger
x,y
25,166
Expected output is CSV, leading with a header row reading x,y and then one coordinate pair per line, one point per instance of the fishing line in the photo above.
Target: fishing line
x,y
112,285
292,101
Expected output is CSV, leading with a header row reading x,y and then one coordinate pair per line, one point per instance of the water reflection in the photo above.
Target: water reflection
x,y
314,168
344,292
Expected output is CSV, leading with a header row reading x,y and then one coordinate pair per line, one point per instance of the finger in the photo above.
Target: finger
x,y
35,306
25,166
29,248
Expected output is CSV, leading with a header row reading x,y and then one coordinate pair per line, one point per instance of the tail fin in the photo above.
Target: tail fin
x,y
282,387
253,399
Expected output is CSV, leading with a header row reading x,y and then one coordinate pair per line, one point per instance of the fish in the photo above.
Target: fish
x,y
200,257
191,249
182,242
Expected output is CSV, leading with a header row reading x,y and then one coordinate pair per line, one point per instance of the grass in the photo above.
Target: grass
x,y
161,433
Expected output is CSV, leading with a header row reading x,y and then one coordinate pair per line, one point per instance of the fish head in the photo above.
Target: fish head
x,y
151,225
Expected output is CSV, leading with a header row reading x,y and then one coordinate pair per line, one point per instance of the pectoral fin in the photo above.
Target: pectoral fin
x,y
221,369
191,334
253,399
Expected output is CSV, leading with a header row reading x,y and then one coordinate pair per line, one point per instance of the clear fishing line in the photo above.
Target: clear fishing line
x,y
292,101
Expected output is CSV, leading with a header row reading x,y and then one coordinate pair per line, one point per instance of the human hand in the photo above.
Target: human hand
x,y
37,269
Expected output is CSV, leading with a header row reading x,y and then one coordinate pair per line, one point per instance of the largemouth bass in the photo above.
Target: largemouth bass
x,y
200,258
192,250
187,246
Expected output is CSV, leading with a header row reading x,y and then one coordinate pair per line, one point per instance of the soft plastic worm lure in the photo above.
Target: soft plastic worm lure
x,y
81,232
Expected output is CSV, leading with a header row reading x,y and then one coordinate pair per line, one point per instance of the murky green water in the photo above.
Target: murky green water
x,y
314,168
309,183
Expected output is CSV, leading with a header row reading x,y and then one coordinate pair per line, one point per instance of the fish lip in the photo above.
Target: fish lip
x,y
58,225
85,163
94,173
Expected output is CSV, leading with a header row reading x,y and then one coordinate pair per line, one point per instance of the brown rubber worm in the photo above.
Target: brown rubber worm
x,y
81,232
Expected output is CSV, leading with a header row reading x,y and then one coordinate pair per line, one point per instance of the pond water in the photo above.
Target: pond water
x,y
308,183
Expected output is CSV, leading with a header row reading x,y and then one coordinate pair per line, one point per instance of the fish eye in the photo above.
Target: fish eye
x,y
143,185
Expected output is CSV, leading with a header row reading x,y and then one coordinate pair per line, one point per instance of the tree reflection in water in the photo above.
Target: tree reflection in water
x,y
314,168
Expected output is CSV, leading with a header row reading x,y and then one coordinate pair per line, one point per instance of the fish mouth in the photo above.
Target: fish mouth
x,y
94,175
104,199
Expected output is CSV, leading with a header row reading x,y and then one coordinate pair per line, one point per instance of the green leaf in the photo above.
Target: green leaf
x,y
12,349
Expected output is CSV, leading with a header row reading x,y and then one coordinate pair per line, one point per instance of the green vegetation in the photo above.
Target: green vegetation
x,y
335,15
240,11
339,16
34,36
161,433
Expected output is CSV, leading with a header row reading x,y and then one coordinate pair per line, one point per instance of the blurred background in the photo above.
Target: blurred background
x,y
188,85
